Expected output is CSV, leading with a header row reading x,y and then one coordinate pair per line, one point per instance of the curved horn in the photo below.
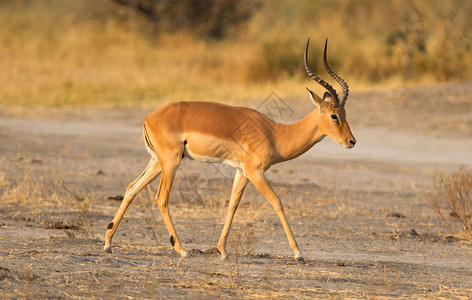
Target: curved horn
x,y
326,85
323,83
338,79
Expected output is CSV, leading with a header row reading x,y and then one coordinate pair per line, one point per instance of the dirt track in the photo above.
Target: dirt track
x,y
361,217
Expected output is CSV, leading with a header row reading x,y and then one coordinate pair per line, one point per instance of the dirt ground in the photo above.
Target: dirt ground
x,y
362,217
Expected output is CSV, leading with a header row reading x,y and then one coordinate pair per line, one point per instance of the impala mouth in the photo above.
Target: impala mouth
x,y
350,145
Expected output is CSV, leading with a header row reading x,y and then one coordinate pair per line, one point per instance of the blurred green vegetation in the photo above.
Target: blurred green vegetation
x,y
139,52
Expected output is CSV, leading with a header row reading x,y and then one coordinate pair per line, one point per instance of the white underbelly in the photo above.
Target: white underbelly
x,y
208,159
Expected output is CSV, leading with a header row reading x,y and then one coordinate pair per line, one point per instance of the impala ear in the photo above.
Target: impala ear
x,y
327,97
316,99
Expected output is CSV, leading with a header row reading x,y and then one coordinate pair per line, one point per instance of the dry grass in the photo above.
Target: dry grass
x,y
33,190
86,52
51,197
452,200
100,60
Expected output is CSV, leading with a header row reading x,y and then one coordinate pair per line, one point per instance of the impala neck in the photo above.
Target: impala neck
x,y
295,139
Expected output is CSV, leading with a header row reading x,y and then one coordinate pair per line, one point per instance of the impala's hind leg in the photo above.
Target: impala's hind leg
x,y
150,172
167,178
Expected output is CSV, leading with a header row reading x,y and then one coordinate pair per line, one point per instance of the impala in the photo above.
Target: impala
x,y
212,132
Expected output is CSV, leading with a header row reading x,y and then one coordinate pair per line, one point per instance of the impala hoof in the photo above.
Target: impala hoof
x,y
184,254
300,260
107,249
224,260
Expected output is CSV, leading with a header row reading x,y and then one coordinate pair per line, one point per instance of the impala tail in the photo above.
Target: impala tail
x,y
147,143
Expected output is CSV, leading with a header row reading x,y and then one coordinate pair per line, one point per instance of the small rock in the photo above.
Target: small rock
x,y
454,214
396,215
116,198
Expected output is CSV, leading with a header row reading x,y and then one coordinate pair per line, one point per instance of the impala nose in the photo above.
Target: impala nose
x,y
352,143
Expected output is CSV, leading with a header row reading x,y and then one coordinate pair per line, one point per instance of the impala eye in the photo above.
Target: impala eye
x,y
334,117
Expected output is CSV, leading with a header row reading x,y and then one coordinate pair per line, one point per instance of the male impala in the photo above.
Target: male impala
x,y
211,132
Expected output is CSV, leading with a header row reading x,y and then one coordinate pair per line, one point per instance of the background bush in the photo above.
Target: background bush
x,y
452,200
207,18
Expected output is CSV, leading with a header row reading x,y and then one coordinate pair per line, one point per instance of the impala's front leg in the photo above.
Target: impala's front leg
x,y
261,184
239,184
162,197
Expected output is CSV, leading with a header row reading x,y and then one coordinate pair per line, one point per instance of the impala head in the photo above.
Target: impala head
x,y
331,107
